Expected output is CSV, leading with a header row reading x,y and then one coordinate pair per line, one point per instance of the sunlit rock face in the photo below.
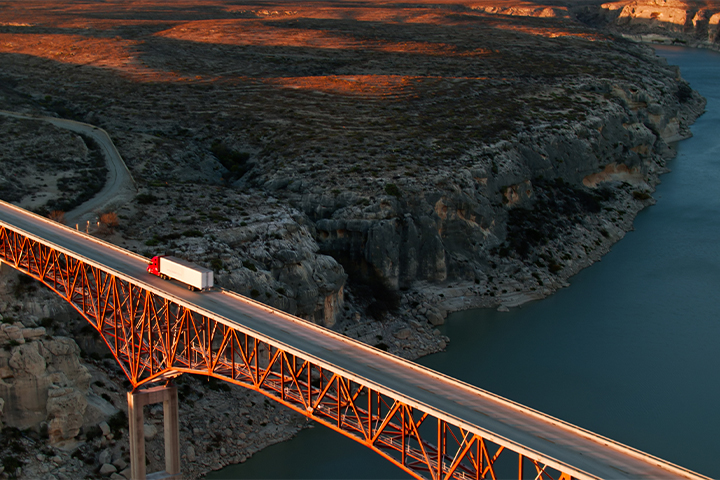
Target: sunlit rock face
x,y
689,22
42,381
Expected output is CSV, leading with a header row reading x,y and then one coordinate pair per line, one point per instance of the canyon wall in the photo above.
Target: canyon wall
x,y
690,23
456,224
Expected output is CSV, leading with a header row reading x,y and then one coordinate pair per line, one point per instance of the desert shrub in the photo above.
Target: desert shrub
x,y
234,161
216,264
554,267
145,198
249,265
117,422
108,222
91,434
392,189
11,465
57,216
192,233
637,195
684,92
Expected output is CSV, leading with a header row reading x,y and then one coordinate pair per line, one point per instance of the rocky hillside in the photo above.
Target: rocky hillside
x,y
481,148
690,23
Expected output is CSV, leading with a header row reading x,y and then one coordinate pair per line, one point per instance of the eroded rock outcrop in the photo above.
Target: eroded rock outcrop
x,y
690,22
267,252
42,381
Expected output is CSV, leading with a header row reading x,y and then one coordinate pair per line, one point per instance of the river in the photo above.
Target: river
x,y
631,350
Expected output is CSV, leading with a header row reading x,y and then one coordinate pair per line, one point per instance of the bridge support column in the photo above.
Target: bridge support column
x,y
136,401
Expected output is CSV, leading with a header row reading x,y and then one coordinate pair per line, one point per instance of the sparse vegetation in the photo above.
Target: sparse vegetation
x,y
145,198
118,422
57,216
108,223
392,189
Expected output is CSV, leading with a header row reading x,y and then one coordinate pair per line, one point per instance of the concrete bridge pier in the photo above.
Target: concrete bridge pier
x,y
136,401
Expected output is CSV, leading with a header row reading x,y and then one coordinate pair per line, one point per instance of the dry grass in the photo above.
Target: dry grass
x,y
310,90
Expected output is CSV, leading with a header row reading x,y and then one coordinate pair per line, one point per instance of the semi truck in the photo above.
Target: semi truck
x,y
194,276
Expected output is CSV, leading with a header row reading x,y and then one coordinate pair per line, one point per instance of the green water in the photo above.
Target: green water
x,y
631,350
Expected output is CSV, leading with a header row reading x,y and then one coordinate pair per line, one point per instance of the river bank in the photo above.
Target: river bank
x,y
626,350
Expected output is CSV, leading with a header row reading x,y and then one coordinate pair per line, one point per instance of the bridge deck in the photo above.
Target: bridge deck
x,y
564,446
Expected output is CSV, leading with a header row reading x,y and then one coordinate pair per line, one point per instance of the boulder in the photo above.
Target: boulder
x,y
403,333
149,430
98,409
435,318
190,454
65,410
105,428
11,333
105,456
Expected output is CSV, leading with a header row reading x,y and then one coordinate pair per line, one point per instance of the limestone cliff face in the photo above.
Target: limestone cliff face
x,y
276,261
42,380
663,21
449,232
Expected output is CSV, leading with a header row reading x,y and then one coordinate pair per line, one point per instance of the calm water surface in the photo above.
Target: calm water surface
x,y
631,350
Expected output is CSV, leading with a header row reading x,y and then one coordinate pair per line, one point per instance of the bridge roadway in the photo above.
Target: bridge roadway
x,y
560,445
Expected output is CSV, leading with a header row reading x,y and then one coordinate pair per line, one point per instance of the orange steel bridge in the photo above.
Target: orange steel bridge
x,y
430,425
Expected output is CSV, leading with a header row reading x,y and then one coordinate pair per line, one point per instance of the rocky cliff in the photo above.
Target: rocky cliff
x,y
42,381
519,201
691,23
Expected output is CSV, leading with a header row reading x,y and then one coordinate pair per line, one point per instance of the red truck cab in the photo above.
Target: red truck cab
x,y
154,266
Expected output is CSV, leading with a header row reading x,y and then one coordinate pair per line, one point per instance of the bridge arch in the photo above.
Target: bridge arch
x,y
155,338
155,335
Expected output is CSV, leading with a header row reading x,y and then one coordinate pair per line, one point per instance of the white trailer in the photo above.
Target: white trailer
x,y
194,276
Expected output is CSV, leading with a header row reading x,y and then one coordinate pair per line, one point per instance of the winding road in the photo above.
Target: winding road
x,y
119,187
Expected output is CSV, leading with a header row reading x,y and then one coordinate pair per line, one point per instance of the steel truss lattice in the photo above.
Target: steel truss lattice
x,y
154,339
